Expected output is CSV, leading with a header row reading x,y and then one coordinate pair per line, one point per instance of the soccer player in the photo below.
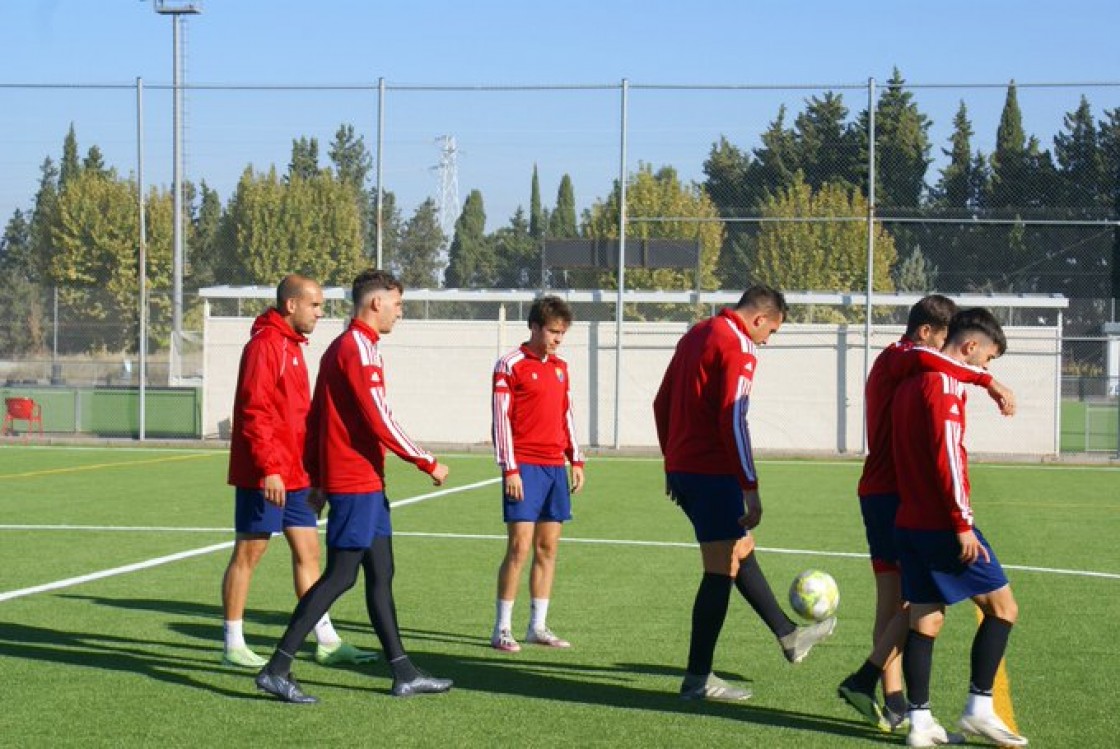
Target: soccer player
x,y
350,427
266,467
915,352
701,414
944,556
533,432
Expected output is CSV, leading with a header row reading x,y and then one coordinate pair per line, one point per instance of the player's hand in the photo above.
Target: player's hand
x,y
274,491
754,509
439,474
515,491
577,479
1003,396
317,499
971,548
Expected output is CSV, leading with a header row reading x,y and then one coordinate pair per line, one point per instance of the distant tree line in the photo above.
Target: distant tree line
x,y
791,211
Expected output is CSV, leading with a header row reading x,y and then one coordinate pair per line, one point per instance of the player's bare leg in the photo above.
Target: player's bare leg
x,y
546,540
248,548
519,542
979,718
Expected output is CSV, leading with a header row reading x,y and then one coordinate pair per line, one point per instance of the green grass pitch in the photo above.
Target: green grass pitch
x,y
132,658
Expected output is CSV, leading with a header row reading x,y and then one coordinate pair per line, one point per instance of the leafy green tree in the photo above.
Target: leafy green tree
x,y
95,162
956,188
1081,161
44,215
391,231
562,221
902,146
417,261
915,273
309,226
828,148
821,255
24,330
471,260
351,159
95,266
661,195
1009,161
305,159
210,258
517,254
727,186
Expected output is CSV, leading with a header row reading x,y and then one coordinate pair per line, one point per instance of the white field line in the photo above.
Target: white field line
x,y
148,564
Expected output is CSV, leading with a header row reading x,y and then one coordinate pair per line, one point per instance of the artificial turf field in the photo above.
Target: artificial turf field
x,y
132,658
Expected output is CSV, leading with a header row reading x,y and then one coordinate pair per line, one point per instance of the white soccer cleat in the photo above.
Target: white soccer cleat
x,y
991,727
544,636
931,735
797,644
711,687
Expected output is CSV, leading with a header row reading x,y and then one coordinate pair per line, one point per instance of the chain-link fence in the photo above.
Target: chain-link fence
x,y
964,189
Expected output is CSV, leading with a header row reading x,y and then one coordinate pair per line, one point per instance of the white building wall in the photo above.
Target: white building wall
x,y
808,393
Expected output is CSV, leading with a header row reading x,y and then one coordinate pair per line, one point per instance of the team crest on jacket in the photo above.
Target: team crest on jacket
x,y
559,374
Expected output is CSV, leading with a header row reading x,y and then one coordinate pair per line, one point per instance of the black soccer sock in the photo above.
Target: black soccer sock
x,y
403,669
896,701
379,569
708,612
917,664
988,647
337,578
753,586
866,678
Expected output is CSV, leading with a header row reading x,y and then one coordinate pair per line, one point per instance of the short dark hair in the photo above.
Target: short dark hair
x,y
548,308
369,281
933,310
764,298
977,320
290,287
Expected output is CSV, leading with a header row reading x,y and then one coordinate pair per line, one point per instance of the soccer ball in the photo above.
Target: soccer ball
x,y
814,595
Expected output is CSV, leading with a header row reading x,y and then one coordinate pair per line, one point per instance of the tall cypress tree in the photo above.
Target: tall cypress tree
x,y
1081,165
954,190
470,259
1009,159
70,166
536,212
562,221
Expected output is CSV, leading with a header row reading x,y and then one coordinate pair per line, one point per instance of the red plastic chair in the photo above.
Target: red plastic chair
x,y
21,409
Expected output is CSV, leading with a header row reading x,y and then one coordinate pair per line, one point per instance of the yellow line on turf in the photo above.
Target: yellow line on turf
x,y
96,466
1001,690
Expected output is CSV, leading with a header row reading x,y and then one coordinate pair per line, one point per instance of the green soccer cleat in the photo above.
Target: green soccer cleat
x,y
334,655
242,657
864,704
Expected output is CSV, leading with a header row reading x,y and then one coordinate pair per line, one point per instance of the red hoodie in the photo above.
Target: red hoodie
x,y
270,407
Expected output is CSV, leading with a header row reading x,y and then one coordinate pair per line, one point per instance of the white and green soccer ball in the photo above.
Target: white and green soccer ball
x,y
814,595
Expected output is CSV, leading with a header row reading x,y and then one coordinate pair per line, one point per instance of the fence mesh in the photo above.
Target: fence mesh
x,y
1001,189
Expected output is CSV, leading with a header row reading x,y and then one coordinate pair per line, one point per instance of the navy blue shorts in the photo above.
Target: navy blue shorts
x,y
354,519
932,571
546,492
254,514
714,504
878,521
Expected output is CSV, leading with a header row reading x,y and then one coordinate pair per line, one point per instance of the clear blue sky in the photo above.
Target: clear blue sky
x,y
500,136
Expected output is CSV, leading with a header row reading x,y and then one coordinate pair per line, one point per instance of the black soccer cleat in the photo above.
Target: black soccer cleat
x,y
285,688
422,684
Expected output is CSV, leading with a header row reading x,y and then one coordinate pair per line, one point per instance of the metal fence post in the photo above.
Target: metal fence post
x,y
870,246
618,311
142,343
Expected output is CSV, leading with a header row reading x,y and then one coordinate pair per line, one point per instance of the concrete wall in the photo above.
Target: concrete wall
x,y
808,394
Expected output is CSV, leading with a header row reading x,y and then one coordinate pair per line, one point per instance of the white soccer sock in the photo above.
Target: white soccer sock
x,y
538,613
979,704
324,632
234,634
504,618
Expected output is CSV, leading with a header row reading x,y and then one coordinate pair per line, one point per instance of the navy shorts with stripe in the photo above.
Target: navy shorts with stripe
x,y
355,519
547,497
714,504
932,571
878,512
254,514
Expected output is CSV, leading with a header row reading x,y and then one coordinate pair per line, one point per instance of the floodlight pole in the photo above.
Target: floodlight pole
x,y
176,10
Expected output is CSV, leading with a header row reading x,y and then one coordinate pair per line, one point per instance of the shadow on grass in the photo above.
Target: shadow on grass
x,y
535,673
